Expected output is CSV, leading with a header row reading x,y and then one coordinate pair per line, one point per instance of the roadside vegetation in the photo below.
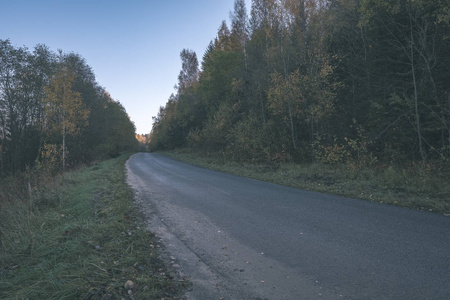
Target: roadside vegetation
x,y
308,81
344,97
68,231
416,186
54,113
78,236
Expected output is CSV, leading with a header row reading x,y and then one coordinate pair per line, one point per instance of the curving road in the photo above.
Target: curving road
x,y
238,238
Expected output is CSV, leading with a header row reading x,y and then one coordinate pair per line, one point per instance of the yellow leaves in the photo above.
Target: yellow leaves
x,y
237,85
51,156
276,93
64,111
354,152
285,92
331,154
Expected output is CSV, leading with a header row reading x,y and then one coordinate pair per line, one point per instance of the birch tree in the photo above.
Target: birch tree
x,y
64,111
188,76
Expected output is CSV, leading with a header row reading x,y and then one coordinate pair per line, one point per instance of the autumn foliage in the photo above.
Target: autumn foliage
x,y
53,113
339,81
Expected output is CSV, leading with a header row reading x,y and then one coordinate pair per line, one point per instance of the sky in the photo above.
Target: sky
x,y
132,46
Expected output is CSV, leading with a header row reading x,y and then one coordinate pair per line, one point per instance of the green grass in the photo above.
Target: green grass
x,y
423,187
79,237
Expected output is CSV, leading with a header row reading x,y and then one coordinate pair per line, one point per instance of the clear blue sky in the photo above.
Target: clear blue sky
x,y
133,46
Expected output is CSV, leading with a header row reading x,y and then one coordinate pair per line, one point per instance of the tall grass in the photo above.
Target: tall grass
x,y
78,237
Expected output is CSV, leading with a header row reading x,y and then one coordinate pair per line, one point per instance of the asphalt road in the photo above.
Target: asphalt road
x,y
238,238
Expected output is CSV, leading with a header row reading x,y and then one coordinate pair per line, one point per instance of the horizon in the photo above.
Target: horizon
x,y
133,49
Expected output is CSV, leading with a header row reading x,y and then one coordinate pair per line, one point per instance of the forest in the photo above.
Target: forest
x,y
53,113
360,82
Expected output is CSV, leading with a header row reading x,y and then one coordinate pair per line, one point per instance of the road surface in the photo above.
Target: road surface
x,y
238,238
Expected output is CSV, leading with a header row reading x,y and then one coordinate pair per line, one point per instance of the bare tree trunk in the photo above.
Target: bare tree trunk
x,y
1,162
291,121
263,114
41,130
288,99
448,123
416,100
245,56
64,129
416,112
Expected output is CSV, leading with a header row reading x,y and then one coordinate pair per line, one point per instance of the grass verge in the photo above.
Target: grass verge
x,y
417,186
81,237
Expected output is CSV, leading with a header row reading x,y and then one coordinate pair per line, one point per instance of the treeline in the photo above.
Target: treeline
x,y
354,81
53,113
